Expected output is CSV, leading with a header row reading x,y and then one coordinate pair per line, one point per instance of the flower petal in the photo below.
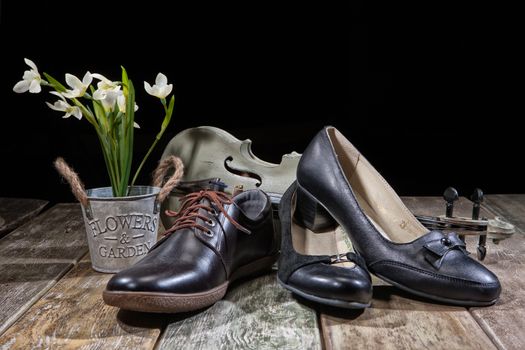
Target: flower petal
x,y
161,80
99,94
51,106
87,79
56,93
100,77
58,106
77,113
31,64
148,88
35,87
167,90
135,125
22,86
72,93
73,81
121,102
30,75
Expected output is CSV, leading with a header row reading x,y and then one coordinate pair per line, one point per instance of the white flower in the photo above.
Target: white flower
x,y
161,89
110,99
30,81
62,106
78,87
121,102
104,86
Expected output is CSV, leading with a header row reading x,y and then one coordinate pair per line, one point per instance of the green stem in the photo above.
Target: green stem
x,y
165,123
144,160
109,165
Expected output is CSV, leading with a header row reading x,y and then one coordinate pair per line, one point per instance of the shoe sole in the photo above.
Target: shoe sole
x,y
159,302
437,298
326,301
408,289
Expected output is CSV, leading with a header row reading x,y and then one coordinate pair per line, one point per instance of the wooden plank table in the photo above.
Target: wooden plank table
x,y
14,212
51,298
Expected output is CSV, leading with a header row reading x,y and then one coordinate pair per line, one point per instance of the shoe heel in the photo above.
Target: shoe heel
x,y
310,213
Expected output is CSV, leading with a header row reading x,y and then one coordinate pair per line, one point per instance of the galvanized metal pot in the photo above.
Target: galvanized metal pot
x,y
120,230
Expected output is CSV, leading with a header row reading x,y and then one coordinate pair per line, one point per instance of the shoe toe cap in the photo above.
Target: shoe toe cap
x,y
460,280
350,284
178,279
471,280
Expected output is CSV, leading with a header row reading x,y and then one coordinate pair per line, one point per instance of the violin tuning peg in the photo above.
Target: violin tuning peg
x,y
477,196
482,247
450,196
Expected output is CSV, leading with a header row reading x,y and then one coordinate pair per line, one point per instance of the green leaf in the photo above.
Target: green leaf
x,y
100,113
167,118
55,83
126,138
125,81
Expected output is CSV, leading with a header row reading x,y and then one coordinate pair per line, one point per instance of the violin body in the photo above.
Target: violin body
x,y
209,152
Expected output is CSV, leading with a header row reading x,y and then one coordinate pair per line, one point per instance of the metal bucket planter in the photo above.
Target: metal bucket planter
x,y
121,230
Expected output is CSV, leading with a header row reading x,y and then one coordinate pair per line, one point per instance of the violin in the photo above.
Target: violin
x,y
212,153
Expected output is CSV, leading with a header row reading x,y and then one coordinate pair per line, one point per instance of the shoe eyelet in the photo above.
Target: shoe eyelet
x,y
208,233
445,241
213,212
210,223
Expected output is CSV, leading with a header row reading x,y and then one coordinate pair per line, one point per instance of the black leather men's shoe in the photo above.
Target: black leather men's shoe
x,y
336,182
318,266
213,241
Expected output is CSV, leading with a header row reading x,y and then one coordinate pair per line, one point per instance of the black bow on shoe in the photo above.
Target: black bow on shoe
x,y
439,248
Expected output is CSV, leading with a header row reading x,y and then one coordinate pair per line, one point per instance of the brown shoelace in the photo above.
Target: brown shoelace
x,y
189,211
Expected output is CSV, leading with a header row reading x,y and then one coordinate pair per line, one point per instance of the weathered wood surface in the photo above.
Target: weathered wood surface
x,y
255,314
16,211
505,321
35,256
72,315
399,320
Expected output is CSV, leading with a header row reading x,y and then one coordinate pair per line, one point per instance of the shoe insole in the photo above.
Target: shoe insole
x,y
377,199
331,242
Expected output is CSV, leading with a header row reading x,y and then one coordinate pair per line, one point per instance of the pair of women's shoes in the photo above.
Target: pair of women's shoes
x,y
339,195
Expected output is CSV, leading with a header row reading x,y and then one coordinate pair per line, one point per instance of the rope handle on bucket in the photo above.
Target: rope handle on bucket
x,y
162,170
79,191
77,187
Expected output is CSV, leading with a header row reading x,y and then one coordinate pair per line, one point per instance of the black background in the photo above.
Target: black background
x,y
423,90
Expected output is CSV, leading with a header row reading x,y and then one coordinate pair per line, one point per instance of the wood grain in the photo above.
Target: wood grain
x,y
35,256
16,211
505,321
255,314
72,315
399,320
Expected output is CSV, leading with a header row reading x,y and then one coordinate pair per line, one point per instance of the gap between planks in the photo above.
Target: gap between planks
x,y
35,256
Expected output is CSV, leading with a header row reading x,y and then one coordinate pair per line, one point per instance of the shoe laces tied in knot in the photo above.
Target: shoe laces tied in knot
x,y
188,213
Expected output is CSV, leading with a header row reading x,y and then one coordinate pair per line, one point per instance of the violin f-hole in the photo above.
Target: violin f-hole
x,y
243,173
